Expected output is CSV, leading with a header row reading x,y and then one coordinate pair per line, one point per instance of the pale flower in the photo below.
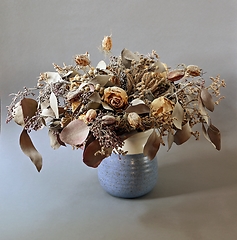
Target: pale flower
x,y
116,97
161,105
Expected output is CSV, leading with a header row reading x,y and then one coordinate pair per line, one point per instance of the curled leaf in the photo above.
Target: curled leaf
x,y
91,155
75,133
215,136
152,145
54,104
29,149
139,109
207,99
202,110
170,139
54,143
127,57
183,135
29,107
178,115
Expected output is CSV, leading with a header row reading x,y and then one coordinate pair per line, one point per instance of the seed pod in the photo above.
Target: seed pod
x,y
134,120
91,115
108,119
106,44
175,75
193,70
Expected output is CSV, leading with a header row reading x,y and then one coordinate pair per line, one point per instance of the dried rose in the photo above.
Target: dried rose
x,y
161,105
134,120
116,97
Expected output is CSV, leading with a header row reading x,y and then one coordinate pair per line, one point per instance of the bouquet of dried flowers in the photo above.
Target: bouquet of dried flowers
x,y
97,108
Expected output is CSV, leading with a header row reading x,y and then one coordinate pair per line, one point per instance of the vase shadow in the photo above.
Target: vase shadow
x,y
199,174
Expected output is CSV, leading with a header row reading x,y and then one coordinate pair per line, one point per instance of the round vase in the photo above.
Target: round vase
x,y
132,175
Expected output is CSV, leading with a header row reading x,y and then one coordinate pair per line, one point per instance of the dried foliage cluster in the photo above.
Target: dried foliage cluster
x,y
97,108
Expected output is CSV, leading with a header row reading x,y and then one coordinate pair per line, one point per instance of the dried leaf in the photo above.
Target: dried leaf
x,y
152,145
106,106
178,115
101,79
170,139
139,109
53,139
29,149
75,133
160,67
101,65
183,135
127,57
54,104
29,107
215,136
207,99
206,135
90,158
203,111
53,77
175,75
17,114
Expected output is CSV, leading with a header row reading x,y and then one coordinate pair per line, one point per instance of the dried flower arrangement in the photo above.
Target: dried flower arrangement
x,y
97,108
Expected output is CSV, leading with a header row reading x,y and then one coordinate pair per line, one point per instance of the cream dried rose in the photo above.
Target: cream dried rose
x,y
116,97
161,105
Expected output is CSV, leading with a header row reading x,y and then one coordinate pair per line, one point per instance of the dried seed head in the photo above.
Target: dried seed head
x,y
175,75
134,120
108,119
193,70
106,44
82,60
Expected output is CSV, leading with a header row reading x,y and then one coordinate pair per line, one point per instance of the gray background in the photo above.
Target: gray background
x,y
196,196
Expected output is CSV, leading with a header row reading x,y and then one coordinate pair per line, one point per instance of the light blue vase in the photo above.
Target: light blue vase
x,y
128,176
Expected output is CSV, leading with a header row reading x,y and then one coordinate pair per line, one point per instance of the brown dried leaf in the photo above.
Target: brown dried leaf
x,y
202,110
183,135
152,145
53,139
75,133
175,75
215,136
29,107
139,109
100,79
54,104
127,57
178,115
90,158
29,149
207,99
170,139
206,135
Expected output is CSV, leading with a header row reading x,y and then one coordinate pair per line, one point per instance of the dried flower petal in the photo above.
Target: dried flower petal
x,y
116,97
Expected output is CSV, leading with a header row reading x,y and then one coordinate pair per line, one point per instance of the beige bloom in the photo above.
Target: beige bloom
x,y
134,120
116,97
161,105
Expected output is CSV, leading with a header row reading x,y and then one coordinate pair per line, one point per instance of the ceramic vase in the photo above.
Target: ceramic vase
x,y
132,175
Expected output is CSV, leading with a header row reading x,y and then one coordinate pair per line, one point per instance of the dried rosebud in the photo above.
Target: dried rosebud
x,y
134,120
83,59
91,115
193,70
116,97
108,119
161,105
175,75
